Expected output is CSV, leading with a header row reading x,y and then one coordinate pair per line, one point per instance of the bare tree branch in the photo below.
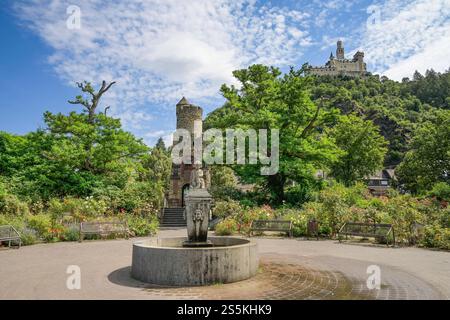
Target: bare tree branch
x,y
92,105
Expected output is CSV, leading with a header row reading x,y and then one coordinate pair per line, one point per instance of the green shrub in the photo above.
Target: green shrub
x,y
226,227
441,191
298,219
247,203
223,209
436,236
402,213
91,207
11,205
56,209
245,217
36,207
42,224
17,222
142,226
81,209
302,192
334,207
146,210
133,196
71,233
28,236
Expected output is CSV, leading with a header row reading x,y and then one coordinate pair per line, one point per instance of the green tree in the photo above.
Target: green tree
x,y
76,153
223,182
161,145
223,176
364,149
428,160
157,166
25,163
268,100
97,147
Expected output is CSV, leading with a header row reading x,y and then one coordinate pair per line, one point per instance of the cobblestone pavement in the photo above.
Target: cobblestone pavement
x,y
289,269
287,278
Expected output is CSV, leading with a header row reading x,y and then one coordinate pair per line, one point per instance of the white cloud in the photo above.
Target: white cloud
x,y
151,137
434,56
159,50
410,35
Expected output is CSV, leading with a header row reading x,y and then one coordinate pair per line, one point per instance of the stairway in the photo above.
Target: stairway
x,y
173,218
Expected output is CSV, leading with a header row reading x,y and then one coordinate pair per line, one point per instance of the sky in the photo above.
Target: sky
x,y
160,50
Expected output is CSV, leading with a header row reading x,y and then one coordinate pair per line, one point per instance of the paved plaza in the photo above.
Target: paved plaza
x,y
289,269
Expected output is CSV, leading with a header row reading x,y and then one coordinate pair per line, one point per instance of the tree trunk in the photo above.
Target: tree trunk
x,y
276,184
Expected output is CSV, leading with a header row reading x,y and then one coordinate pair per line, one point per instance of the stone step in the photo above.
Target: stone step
x,y
172,228
173,218
174,222
173,225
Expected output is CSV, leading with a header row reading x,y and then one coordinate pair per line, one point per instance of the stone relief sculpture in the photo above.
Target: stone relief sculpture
x,y
198,210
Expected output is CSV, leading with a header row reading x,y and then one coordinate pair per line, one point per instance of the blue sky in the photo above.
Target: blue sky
x,y
159,50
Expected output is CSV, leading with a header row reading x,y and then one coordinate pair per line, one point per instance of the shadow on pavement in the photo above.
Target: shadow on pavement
x,y
122,277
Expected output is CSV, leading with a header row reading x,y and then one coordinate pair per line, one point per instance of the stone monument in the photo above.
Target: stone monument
x,y
198,210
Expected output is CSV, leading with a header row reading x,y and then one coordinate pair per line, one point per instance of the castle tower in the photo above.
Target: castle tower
x,y
187,114
359,59
340,51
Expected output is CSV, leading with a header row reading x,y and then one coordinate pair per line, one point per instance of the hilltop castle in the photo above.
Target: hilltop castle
x,y
340,66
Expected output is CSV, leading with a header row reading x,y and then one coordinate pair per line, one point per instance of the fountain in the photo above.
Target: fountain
x,y
195,260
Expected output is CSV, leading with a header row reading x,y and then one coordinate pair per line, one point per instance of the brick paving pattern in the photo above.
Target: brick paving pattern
x,y
288,281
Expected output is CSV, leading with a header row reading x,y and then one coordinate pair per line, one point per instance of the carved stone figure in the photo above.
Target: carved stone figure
x,y
197,179
198,210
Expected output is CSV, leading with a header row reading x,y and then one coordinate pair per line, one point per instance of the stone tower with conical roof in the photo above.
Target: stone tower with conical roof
x,y
187,114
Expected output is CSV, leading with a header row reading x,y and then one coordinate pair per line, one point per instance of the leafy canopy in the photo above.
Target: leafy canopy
x,y
364,149
268,100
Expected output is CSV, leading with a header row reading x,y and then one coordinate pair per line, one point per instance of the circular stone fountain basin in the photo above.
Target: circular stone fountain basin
x,y
165,261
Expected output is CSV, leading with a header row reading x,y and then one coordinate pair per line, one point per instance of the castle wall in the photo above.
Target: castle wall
x,y
341,66
349,68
